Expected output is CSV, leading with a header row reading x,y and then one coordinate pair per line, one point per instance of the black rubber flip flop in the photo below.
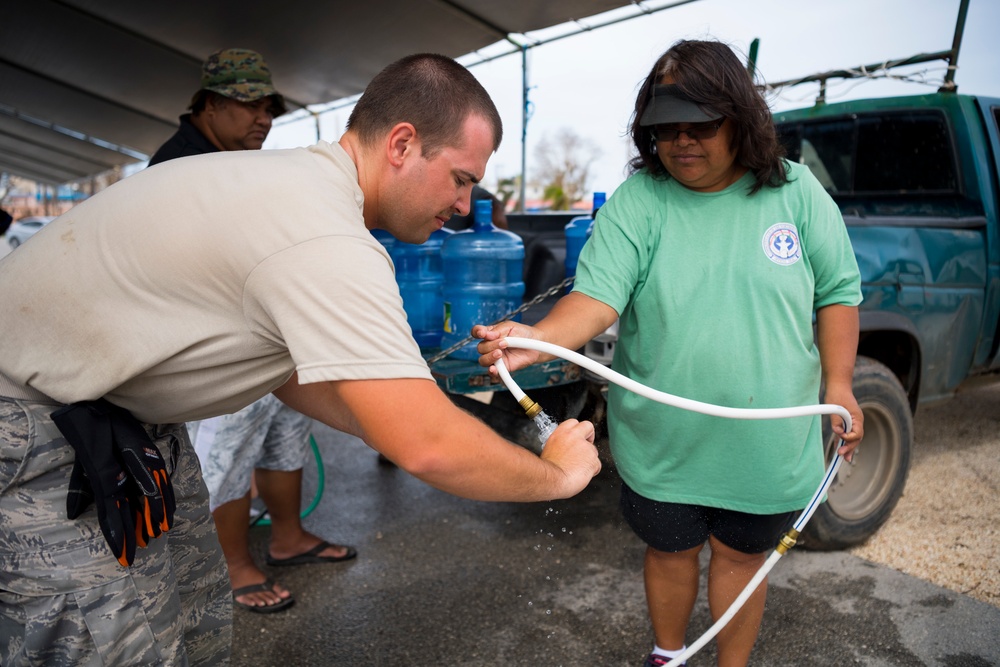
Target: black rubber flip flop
x,y
312,556
261,609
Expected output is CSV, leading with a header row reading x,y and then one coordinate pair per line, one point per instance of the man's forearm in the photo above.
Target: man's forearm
x,y
416,426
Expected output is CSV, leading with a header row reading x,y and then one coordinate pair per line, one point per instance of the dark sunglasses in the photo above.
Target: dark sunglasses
x,y
696,131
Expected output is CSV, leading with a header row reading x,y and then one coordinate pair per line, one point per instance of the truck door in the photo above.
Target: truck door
x,y
988,352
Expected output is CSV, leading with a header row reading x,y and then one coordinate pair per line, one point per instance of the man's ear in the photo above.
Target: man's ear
x,y
401,143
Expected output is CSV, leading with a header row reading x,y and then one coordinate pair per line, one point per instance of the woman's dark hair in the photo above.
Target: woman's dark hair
x,y
711,75
433,92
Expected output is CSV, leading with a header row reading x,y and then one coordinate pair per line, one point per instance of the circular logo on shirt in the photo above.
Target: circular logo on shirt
x,y
781,244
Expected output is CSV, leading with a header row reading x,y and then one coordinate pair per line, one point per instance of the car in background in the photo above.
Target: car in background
x,y
23,229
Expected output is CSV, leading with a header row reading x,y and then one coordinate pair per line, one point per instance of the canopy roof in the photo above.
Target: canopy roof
x,y
87,85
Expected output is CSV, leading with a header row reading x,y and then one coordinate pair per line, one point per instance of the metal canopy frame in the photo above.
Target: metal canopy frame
x,y
91,85
950,56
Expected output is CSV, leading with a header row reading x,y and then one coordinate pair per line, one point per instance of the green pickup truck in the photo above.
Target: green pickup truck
x,y
916,179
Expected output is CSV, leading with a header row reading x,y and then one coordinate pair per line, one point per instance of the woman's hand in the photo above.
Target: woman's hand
x,y
844,397
494,345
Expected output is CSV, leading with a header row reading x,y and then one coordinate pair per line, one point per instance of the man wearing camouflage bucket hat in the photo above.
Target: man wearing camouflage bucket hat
x,y
267,439
232,111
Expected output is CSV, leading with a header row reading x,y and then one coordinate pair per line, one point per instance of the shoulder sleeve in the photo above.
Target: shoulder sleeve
x,y
333,303
613,262
827,244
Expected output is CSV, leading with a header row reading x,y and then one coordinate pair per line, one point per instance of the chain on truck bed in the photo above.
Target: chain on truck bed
x,y
525,306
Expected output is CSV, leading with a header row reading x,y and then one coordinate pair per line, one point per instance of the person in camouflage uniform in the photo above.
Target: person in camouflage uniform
x,y
190,290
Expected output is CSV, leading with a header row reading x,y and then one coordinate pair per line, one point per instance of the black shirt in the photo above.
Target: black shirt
x,y
188,140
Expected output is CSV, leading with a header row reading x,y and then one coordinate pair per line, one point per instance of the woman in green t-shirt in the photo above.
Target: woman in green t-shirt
x,y
713,257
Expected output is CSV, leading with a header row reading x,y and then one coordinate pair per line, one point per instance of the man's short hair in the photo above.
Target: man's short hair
x,y
431,91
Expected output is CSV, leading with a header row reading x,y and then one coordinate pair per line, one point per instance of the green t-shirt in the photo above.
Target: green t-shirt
x,y
716,294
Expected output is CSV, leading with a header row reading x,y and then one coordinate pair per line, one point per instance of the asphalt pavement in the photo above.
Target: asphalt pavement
x,y
442,581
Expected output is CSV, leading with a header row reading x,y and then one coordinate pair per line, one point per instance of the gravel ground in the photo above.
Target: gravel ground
x,y
944,528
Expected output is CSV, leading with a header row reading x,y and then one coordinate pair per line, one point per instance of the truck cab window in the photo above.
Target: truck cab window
x,y
827,148
894,153
904,153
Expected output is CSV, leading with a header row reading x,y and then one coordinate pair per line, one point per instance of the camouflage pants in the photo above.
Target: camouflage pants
x,y
65,600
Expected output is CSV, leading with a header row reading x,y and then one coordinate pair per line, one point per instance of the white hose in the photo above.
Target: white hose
x,y
509,381
708,409
670,399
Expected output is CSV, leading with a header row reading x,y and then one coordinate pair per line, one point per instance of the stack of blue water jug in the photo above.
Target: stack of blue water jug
x,y
483,278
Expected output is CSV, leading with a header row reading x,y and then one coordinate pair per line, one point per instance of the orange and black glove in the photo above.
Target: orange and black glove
x,y
152,494
98,475
121,470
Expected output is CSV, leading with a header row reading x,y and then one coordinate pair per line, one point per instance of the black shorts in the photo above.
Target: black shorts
x,y
673,527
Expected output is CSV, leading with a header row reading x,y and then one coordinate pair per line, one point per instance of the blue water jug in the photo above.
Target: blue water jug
x,y
420,279
578,230
483,278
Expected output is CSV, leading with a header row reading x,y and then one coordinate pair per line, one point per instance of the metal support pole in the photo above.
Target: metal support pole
x,y
956,42
752,57
524,123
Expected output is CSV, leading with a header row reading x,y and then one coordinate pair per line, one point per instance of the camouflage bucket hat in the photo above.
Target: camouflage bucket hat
x,y
240,74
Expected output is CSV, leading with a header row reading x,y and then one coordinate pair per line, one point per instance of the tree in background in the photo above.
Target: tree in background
x,y
563,168
508,189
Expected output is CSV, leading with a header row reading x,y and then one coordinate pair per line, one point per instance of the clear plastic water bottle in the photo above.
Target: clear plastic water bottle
x,y
420,278
483,278
578,230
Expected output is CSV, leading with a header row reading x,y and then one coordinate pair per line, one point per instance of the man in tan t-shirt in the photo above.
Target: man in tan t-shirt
x,y
193,289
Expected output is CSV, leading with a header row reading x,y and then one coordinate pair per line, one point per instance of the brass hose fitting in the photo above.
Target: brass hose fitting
x,y
530,407
787,541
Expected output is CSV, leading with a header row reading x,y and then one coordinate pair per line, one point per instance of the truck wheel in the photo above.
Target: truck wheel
x,y
865,492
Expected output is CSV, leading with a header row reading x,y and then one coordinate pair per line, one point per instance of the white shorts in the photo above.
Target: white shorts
x,y
266,434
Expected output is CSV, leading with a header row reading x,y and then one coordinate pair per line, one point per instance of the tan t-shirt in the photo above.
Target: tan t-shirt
x,y
195,287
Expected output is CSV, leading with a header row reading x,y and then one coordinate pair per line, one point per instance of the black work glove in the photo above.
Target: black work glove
x,y
153,494
80,494
97,474
118,466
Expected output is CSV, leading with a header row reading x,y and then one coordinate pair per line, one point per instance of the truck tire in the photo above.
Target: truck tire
x,y
865,492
